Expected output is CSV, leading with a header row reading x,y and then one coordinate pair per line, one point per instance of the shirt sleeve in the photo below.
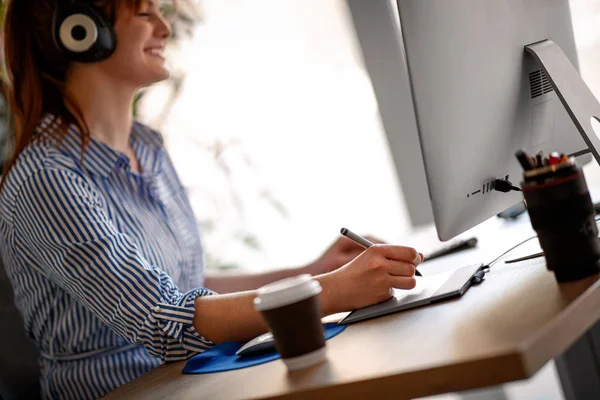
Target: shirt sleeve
x,y
62,228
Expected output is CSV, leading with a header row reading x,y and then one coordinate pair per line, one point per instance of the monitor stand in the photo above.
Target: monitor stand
x,y
582,106
575,95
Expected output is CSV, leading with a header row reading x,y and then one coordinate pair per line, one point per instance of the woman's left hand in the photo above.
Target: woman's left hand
x,y
341,252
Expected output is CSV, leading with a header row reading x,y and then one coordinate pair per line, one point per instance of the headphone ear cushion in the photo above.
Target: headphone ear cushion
x,y
78,33
83,33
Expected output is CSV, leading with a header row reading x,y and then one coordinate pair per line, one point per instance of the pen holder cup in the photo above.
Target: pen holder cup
x,y
562,214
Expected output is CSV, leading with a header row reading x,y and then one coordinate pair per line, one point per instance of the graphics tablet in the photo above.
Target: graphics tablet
x,y
429,289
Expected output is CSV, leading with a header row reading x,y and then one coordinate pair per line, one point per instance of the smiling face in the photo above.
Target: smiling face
x,y
141,38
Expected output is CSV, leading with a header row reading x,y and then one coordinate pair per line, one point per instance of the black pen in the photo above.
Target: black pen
x,y
524,160
363,242
540,159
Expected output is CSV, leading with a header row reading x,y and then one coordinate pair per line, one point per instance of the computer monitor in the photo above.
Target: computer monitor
x,y
487,78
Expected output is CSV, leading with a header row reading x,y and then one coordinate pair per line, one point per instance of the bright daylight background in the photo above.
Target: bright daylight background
x,y
276,134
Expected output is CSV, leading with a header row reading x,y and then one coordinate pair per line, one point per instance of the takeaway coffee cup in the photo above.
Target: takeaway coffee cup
x,y
291,309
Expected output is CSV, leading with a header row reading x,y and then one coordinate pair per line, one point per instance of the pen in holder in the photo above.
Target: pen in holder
x,y
562,214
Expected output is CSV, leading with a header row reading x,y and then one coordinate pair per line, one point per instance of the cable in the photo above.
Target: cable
x,y
504,186
491,263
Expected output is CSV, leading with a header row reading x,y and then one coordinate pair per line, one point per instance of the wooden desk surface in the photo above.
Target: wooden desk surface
x,y
502,330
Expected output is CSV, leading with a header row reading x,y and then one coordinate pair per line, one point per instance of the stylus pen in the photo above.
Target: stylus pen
x,y
362,241
357,238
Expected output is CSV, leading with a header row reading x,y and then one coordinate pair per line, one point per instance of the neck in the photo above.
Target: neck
x,y
105,104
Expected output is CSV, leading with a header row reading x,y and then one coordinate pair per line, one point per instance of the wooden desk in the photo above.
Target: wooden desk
x,y
503,330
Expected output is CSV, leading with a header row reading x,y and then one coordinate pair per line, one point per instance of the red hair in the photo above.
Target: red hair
x,y
36,71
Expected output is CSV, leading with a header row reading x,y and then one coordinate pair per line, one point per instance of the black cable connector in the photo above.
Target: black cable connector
x,y
504,186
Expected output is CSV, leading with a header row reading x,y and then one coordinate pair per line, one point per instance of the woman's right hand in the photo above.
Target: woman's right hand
x,y
369,278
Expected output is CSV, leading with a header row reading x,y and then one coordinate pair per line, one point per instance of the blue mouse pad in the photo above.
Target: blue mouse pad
x,y
222,357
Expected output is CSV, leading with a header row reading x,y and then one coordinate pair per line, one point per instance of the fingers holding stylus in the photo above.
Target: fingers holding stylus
x,y
398,268
402,282
372,277
399,253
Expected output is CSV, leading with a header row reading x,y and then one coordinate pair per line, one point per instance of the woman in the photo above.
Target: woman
x,y
97,234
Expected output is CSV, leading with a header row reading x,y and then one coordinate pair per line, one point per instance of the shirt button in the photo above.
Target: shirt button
x,y
157,309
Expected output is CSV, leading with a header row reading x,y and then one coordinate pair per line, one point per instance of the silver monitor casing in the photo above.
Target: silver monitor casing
x,y
379,38
479,96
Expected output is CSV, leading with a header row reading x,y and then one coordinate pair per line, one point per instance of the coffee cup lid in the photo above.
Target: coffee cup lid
x,y
286,291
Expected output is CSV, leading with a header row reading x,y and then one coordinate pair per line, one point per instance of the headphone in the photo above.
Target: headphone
x,y
82,32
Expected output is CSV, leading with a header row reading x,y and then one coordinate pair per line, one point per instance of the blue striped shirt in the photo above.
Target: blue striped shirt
x,y
105,263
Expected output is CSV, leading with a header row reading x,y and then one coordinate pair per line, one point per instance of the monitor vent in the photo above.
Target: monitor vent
x,y
539,83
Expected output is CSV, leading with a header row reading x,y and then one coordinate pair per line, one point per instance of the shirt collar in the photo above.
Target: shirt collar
x,y
101,159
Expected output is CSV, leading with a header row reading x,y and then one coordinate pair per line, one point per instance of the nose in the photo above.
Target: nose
x,y
163,27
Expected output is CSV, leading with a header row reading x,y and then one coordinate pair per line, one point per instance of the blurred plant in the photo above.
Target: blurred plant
x,y
230,200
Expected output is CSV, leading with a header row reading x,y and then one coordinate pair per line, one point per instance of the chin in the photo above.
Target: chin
x,y
163,76
155,78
